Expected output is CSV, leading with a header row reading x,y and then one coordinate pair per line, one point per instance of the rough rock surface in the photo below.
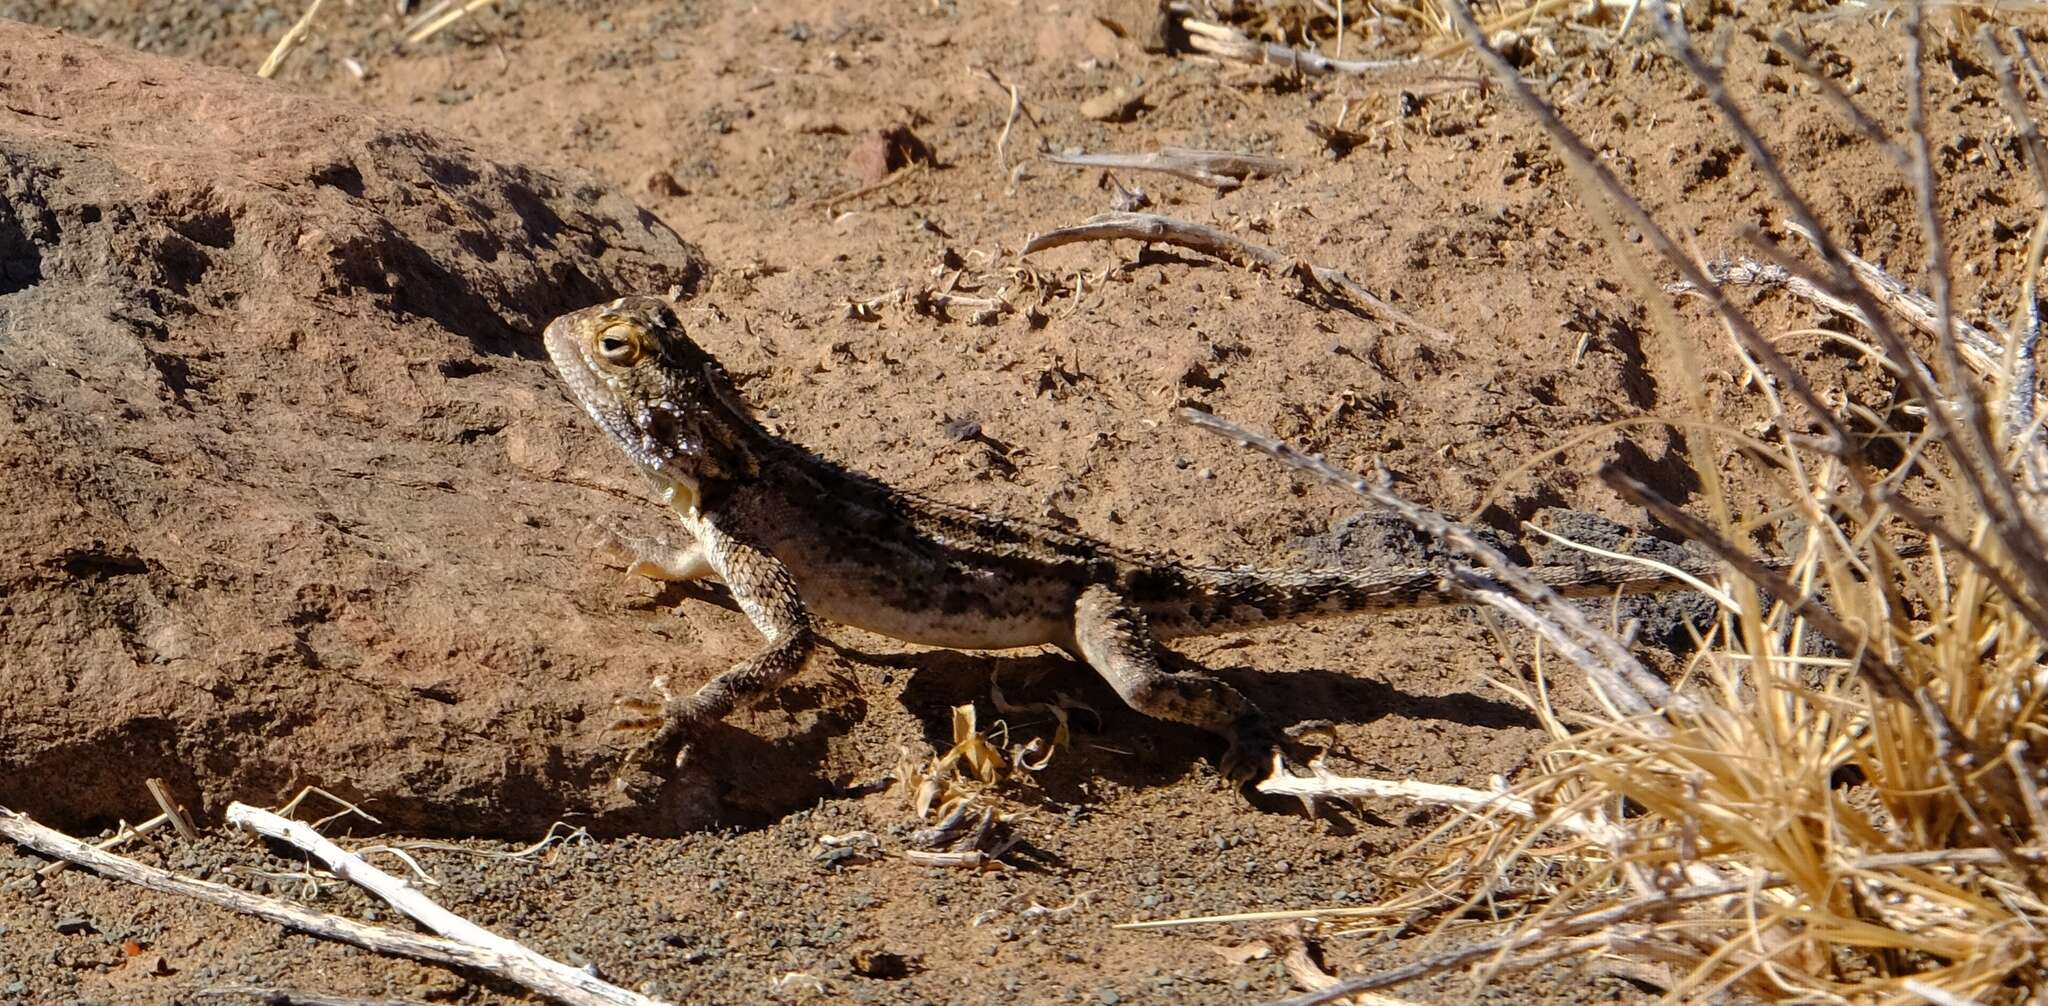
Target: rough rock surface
x,y
284,484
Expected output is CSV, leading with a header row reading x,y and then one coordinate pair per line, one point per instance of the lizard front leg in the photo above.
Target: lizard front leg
x,y
1110,633
655,558
768,594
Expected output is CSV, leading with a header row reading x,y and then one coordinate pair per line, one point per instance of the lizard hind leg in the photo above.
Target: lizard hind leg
x,y
1111,635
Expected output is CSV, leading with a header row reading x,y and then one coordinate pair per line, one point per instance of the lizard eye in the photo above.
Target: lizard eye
x,y
618,345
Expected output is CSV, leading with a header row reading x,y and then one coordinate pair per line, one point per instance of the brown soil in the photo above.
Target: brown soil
x,y
288,496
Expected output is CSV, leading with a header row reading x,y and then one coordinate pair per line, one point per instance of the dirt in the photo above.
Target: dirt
x,y
291,498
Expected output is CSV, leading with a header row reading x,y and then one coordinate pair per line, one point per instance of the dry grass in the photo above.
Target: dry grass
x,y
1418,27
1842,803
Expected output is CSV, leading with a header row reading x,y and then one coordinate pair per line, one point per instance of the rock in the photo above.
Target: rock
x,y
663,183
287,493
1150,23
1119,105
879,152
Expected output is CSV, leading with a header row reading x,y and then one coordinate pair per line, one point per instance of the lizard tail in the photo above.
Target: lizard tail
x,y
1191,601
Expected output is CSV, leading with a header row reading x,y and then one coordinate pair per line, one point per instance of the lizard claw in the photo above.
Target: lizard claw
x,y
651,756
612,543
1253,746
1258,754
667,726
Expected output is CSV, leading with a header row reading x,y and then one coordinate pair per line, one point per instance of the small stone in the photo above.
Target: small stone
x,y
74,925
961,428
881,152
880,964
1120,105
662,183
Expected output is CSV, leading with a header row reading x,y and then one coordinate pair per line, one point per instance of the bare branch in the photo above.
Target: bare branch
x,y
286,997
1229,43
1152,228
1614,672
50,842
408,899
1599,178
1219,169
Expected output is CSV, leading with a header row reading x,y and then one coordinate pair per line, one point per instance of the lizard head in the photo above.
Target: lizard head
x,y
655,393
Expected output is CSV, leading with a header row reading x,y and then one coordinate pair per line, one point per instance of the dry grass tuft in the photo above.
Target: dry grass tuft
x,y
1420,27
1843,802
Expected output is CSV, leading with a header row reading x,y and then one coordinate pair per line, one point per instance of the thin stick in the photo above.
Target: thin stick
x,y
832,202
1152,228
1613,671
50,842
428,28
288,997
1980,348
1328,785
162,794
1010,122
1574,925
1984,351
1229,43
1017,110
292,37
1219,169
119,838
408,899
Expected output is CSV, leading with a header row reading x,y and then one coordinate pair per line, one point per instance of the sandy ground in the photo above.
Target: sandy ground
x,y
741,128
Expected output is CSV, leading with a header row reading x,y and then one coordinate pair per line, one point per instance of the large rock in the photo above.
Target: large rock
x,y
287,495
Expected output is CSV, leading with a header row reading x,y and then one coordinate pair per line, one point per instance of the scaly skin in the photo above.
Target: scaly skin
x,y
791,533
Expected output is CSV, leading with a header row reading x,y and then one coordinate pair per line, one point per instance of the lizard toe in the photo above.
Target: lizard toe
x,y
1253,748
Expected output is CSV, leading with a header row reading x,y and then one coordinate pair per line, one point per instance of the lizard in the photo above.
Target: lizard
x,y
795,536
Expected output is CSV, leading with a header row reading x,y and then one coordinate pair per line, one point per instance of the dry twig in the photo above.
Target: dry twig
x,y
1499,582
291,39
269,996
1219,169
434,19
383,939
1155,229
517,959
1229,43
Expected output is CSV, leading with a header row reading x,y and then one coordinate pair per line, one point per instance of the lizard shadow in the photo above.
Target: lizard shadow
x,y
738,775
1122,746
1111,744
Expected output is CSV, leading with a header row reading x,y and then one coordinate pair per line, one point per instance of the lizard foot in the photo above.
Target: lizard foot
x,y
1253,747
607,539
667,726
1258,754
619,548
